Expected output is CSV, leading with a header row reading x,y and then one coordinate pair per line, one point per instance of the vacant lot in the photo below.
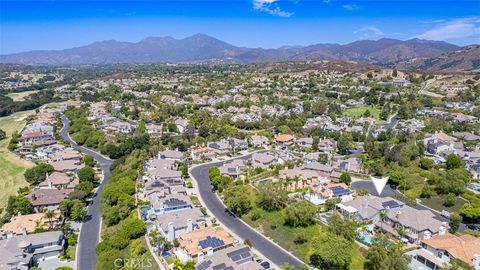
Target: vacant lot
x,y
21,95
357,112
12,167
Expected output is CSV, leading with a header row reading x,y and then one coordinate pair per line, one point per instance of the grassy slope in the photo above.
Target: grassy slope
x,y
272,225
12,167
20,96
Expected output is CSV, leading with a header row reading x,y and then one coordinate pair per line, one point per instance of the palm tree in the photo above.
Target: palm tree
x,y
383,215
296,179
49,214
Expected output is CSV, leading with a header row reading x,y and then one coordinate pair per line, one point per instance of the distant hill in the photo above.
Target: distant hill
x,y
201,48
463,59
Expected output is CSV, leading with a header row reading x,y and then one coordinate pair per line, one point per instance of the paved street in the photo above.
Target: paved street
x,y
271,251
89,234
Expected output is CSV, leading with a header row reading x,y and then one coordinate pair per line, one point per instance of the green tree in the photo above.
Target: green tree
x,y
86,187
49,215
271,196
19,204
454,222
450,200
38,173
78,210
89,161
300,214
331,203
345,178
454,162
86,174
384,254
426,163
343,144
239,199
331,251
345,227
470,212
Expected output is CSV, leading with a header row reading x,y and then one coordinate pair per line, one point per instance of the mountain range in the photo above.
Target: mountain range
x,y
409,54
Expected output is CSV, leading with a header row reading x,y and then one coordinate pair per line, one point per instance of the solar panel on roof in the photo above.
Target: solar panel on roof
x,y
174,202
204,265
236,258
390,204
219,267
211,242
238,251
246,254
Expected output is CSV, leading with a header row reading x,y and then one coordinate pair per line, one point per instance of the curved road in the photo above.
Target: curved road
x,y
270,250
90,231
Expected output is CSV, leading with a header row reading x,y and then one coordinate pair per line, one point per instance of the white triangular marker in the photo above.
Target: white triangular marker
x,y
379,183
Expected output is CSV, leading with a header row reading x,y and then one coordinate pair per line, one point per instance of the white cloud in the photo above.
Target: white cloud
x,y
454,29
351,7
369,31
270,7
327,1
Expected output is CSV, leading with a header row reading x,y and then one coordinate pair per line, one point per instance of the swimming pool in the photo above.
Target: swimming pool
x,y
475,186
365,238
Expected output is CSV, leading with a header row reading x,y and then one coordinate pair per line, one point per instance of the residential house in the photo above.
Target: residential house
x,y
233,169
320,192
368,208
352,164
181,124
167,176
204,241
30,139
238,145
170,203
233,258
58,180
221,148
66,154
448,246
264,160
23,251
173,225
304,142
48,199
154,130
200,153
22,224
69,165
415,224
171,155
284,140
259,141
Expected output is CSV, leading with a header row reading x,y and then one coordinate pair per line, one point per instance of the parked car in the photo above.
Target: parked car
x,y
265,265
473,227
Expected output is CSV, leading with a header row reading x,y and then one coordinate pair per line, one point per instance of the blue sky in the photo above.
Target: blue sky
x,y
60,24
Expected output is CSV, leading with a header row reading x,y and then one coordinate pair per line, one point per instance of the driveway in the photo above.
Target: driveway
x,y
268,249
90,232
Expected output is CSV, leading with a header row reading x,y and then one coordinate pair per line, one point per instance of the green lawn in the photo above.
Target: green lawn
x,y
12,167
357,112
437,203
